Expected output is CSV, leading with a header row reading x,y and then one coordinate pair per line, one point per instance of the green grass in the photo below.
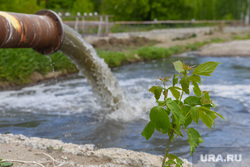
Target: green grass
x,y
17,65
115,59
112,58
245,37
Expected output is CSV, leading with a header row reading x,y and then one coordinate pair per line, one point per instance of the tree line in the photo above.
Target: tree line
x,y
139,10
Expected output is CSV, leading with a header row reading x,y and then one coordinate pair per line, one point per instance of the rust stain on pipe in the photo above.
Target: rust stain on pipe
x,y
43,31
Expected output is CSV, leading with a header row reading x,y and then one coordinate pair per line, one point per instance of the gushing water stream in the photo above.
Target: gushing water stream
x,y
84,56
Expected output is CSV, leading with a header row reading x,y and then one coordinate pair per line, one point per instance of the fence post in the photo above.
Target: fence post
x,y
221,26
83,25
100,27
76,24
107,24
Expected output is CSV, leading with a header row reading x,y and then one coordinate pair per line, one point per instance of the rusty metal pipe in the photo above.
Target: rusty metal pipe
x,y
42,31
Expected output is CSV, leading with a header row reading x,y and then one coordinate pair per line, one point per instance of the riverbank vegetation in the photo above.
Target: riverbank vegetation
x,y
139,10
23,66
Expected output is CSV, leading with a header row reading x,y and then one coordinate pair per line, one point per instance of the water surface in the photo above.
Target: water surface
x,y
70,111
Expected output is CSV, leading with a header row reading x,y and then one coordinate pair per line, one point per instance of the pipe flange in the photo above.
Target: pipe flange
x,y
59,29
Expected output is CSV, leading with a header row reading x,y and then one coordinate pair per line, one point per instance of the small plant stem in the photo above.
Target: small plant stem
x,y
180,97
166,151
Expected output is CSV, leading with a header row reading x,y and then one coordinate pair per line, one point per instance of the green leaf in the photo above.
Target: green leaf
x,y
156,90
175,79
174,107
178,66
192,101
170,162
5,164
195,78
194,114
206,95
175,92
179,119
159,118
185,112
185,83
204,109
172,156
206,119
148,130
219,115
208,116
152,89
206,69
197,90
206,102
179,161
194,139
160,103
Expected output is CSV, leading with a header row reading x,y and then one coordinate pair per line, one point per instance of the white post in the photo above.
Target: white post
x,y
107,24
83,25
100,27
76,23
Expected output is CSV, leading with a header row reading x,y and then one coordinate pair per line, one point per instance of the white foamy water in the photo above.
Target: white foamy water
x,y
237,92
76,96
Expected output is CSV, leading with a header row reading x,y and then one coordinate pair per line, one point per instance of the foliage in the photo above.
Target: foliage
x,y
172,116
82,6
27,6
139,10
5,164
60,4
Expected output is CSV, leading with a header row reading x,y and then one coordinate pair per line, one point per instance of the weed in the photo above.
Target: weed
x,y
173,116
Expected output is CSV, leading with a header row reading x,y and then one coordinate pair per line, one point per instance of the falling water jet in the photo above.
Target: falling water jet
x,y
93,67
45,33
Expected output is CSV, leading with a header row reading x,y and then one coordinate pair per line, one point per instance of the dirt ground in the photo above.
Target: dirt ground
x,y
116,44
32,152
232,48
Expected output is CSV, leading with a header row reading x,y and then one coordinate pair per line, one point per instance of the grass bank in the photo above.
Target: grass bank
x,y
117,58
24,66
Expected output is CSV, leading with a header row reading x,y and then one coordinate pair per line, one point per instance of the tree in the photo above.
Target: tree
x,y
82,6
151,9
27,6
126,10
97,5
60,5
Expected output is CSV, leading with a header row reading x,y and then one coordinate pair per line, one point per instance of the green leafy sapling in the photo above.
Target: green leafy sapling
x,y
173,116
